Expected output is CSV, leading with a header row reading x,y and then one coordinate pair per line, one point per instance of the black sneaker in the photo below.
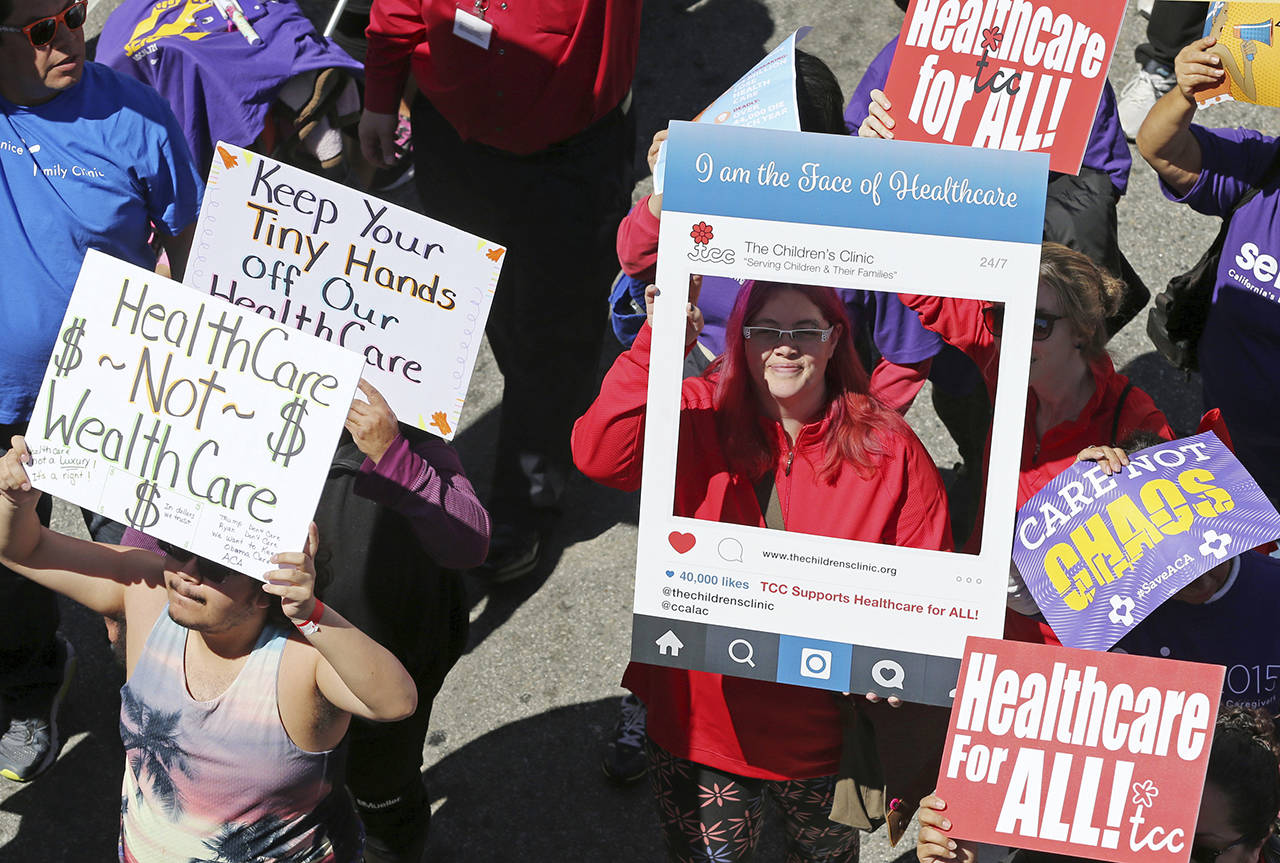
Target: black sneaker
x,y
623,759
514,552
31,744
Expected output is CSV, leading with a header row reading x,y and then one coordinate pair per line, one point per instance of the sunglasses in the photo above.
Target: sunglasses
x,y
771,337
41,32
214,573
1200,854
1041,324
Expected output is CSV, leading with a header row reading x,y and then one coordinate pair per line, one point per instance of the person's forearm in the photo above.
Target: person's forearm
x,y
355,666
426,484
1167,143
19,531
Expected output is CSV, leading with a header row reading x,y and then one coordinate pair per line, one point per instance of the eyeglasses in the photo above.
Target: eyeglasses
x,y
1201,854
41,32
771,337
1041,326
214,573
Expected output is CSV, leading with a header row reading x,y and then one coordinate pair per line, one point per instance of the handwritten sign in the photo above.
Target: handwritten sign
x,y
408,293
1100,553
1001,75
1078,752
188,418
763,98
1247,45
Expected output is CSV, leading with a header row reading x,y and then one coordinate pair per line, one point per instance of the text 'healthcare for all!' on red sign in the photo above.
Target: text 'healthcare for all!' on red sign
x,y
1078,752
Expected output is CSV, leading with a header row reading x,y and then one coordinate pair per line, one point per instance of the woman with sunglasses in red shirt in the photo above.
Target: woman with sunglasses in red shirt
x,y
1078,405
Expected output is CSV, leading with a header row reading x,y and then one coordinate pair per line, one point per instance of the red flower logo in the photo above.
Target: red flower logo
x,y
991,39
701,233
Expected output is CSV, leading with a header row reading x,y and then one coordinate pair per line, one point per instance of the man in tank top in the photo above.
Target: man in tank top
x,y
235,702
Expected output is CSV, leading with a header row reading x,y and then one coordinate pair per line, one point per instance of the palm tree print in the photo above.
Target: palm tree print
x,y
255,842
151,739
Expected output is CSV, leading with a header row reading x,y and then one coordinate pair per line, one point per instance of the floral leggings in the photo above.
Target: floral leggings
x,y
709,816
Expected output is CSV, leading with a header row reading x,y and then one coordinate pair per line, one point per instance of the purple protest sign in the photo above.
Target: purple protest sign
x,y
1100,553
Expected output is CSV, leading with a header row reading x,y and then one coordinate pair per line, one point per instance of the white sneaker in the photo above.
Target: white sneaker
x,y
1139,96
1145,7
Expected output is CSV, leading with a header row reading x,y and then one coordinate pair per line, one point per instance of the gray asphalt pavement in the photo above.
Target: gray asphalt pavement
x,y
511,762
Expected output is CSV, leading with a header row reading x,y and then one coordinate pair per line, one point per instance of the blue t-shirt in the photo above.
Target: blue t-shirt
x,y
1106,151
1237,628
90,169
1240,348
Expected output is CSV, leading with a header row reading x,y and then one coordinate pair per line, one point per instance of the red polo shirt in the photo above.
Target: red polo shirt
x,y
552,68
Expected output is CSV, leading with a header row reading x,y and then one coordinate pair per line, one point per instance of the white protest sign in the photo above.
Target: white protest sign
x,y
188,418
408,293
715,589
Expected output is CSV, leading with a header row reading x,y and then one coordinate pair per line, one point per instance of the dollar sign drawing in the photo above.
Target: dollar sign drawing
x,y
71,353
146,514
292,438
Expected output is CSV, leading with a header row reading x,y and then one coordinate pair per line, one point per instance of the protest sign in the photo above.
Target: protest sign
x,y
1246,45
408,293
764,98
832,212
188,418
1099,553
1021,75
1078,752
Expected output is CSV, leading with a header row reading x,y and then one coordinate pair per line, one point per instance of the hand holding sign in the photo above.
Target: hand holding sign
x,y
372,424
15,487
932,842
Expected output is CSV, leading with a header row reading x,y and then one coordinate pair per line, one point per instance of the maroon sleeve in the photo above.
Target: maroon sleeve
x,y
959,322
608,440
426,484
923,521
638,242
395,31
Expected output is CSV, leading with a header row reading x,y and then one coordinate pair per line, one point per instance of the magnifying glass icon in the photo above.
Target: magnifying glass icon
x,y
748,655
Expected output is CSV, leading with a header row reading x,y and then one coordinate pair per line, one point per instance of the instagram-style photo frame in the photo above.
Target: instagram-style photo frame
x,y
845,213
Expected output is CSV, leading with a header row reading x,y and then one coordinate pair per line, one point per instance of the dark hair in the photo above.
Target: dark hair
x,y
6,9
1141,439
1244,763
818,96
857,421
1088,294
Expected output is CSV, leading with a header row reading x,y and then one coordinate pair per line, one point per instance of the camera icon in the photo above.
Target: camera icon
x,y
815,663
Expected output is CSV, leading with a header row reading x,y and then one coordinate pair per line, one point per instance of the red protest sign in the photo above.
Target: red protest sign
x,y
1078,752
1004,74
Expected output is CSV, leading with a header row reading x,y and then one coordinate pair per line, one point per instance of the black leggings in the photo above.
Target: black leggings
x,y
708,814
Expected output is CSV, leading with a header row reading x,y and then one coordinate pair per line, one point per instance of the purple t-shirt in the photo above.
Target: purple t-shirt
x,y
1237,628
218,85
1240,348
1107,150
895,329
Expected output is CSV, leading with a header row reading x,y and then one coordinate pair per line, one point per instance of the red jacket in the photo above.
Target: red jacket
x,y
960,323
749,727
552,68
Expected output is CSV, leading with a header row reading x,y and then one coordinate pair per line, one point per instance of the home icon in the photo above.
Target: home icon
x,y
669,644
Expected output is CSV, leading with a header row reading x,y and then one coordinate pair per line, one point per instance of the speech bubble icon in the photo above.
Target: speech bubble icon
x,y
730,549
888,673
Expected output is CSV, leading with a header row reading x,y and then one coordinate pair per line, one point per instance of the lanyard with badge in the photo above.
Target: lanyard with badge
x,y
471,26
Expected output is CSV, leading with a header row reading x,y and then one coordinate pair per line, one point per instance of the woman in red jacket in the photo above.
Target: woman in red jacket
x,y
1076,400
788,401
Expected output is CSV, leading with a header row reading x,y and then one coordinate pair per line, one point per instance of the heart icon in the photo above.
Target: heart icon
x,y
681,542
671,573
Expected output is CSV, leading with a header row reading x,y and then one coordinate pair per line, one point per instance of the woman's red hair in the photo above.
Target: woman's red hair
x,y
857,422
